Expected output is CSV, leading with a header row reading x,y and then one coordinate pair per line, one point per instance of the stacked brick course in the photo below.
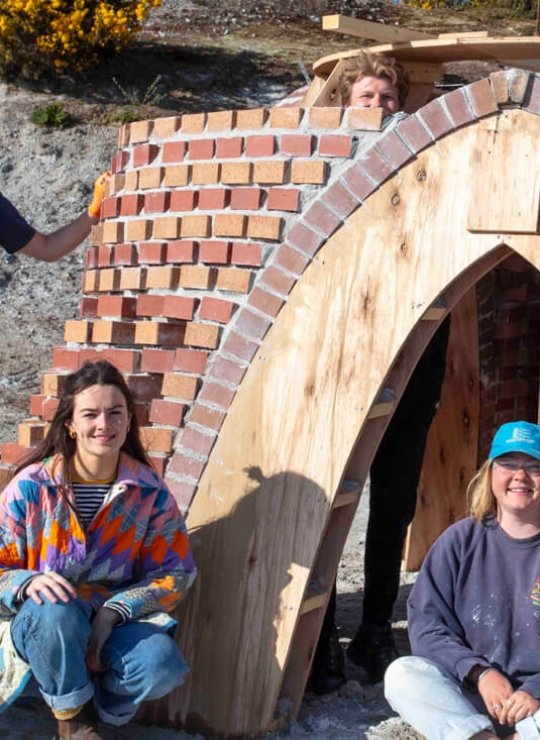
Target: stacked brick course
x,y
210,220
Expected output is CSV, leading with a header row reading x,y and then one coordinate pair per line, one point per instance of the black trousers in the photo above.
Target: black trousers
x,y
395,473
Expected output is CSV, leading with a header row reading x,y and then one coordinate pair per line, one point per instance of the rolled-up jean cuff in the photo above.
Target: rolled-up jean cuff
x,y
527,728
115,719
72,700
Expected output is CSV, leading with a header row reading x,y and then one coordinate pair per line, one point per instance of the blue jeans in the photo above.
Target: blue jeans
x,y
440,707
141,661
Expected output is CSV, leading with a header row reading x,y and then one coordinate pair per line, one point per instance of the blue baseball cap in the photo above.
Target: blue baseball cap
x,y
516,436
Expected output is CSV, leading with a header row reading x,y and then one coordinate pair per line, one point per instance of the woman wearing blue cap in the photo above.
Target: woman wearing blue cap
x,y
474,612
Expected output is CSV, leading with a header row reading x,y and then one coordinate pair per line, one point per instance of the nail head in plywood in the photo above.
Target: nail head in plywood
x,y
505,189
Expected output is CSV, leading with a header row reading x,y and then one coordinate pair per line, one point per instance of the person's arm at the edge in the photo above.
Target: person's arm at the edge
x,y
51,247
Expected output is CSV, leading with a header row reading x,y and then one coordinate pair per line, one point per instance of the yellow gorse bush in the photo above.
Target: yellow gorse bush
x,y
65,35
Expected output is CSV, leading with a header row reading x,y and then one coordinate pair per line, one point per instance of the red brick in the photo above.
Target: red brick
x,y
240,347
151,253
167,412
265,302
125,254
214,309
230,224
48,408
126,360
174,151
196,225
158,333
286,117
140,131
358,182
308,172
144,387
187,467
251,119
298,145
183,200
458,107
157,439
283,199
190,360
115,305
88,307
252,324
231,147
394,149
413,133
325,117
107,331
277,281
197,276
214,198
36,402
182,251
138,230
334,145
77,331
291,259
197,442
305,238
214,252
182,493
167,227
260,146
64,359
482,99
193,123
206,417
434,116
105,254
201,149
91,259
179,307
340,199
231,371
13,453
110,208
159,462
246,253
157,202
247,199
236,173
150,305
364,119
217,394
157,360
321,218
131,205
165,127
144,154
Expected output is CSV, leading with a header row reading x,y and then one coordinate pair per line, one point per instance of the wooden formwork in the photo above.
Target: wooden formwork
x,y
278,495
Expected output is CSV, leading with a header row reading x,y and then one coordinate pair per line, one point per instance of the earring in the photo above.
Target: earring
x,y
73,434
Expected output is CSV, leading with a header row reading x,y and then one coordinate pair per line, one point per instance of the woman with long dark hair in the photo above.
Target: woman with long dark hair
x,y
94,556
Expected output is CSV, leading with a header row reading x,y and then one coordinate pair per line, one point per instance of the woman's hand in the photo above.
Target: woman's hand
x,y
103,624
52,586
519,705
495,689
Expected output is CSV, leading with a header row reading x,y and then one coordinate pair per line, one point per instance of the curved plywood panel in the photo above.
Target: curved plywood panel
x,y
303,404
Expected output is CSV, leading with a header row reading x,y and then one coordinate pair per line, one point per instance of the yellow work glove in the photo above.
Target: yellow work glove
x,y
94,209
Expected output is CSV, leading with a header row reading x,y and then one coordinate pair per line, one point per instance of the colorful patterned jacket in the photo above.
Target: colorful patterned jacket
x,y
134,555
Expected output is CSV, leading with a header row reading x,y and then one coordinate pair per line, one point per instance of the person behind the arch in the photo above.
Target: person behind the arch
x,y
17,235
369,81
94,557
474,611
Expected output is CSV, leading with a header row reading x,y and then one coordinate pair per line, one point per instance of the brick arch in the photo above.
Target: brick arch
x,y
220,229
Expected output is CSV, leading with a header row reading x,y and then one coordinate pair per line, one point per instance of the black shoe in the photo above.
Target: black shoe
x,y
327,671
373,649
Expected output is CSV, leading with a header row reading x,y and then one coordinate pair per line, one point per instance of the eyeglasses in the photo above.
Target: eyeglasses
x,y
531,468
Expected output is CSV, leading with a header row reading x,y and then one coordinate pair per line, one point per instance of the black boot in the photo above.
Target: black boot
x,y
327,671
373,649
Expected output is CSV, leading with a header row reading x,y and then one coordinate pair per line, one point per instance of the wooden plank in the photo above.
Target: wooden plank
x,y
434,313
508,198
384,408
330,95
262,507
464,35
451,451
371,30
316,597
313,92
440,51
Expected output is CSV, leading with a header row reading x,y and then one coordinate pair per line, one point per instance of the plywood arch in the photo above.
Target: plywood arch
x,y
266,494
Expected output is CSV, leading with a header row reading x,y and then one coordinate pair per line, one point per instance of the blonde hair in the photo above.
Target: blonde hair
x,y
368,64
480,494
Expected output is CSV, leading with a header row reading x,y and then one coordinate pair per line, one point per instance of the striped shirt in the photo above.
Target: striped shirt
x,y
89,495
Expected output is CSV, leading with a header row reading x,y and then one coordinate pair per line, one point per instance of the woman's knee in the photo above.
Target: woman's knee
x,y
52,618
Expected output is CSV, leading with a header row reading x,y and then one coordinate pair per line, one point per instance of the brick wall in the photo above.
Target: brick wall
x,y
509,325
210,220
